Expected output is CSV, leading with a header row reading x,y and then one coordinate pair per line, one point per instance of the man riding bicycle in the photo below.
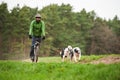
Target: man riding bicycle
x,y
36,32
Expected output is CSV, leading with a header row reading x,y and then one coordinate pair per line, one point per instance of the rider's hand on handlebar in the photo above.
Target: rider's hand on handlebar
x,y
30,36
43,37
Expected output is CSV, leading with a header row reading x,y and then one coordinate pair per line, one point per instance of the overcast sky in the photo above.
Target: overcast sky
x,y
104,8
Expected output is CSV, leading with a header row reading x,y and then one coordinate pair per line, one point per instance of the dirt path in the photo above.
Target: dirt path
x,y
26,60
107,60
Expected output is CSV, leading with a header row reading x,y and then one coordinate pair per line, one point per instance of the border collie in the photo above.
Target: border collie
x,y
66,52
76,54
72,53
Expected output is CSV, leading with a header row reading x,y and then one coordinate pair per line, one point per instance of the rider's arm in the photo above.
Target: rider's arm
x,y
43,28
31,28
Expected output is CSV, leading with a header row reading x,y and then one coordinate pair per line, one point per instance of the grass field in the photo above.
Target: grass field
x,y
58,59
49,68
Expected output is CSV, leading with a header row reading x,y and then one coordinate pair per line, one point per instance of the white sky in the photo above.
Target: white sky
x,y
104,8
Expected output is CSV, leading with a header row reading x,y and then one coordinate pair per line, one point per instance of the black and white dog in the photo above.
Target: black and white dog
x,y
76,54
72,53
66,53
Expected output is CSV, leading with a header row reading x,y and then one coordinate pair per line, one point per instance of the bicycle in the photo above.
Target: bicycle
x,y
36,47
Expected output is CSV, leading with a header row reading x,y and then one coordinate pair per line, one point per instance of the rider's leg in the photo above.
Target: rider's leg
x,y
32,48
32,51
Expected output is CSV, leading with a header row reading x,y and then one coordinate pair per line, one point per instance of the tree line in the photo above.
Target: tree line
x,y
64,27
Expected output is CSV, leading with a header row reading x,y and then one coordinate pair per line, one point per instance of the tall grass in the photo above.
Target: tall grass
x,y
15,70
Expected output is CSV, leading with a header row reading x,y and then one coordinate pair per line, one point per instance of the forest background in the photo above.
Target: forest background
x,y
94,35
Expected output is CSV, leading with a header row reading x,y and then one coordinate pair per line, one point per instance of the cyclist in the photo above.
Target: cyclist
x,y
36,32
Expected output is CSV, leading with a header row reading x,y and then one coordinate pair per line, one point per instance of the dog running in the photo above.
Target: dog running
x,y
72,53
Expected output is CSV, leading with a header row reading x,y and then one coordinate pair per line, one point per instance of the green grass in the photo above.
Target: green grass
x,y
58,59
50,69
50,59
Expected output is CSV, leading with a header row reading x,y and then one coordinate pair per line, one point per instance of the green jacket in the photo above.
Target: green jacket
x,y
37,29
